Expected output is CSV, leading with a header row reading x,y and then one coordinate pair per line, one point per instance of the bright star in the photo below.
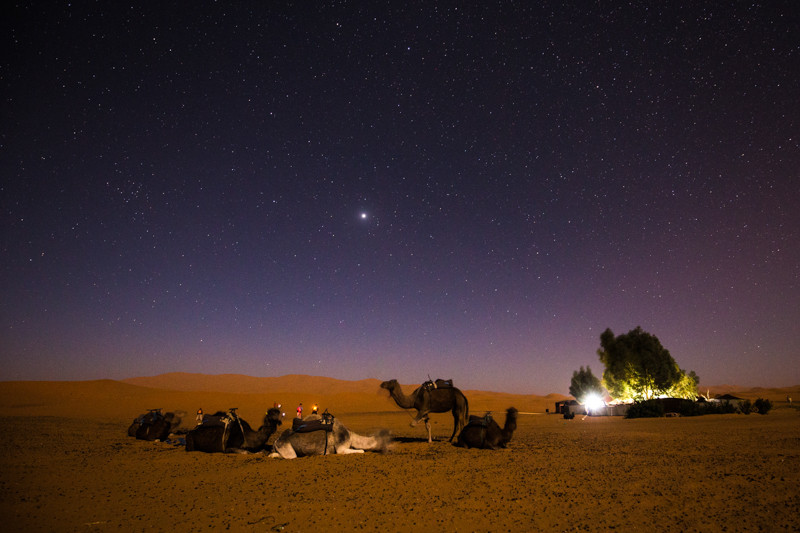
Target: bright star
x,y
363,216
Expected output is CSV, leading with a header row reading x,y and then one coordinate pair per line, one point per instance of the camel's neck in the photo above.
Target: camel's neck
x,y
510,426
263,434
406,402
254,439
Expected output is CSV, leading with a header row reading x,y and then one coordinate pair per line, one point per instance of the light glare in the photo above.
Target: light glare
x,y
593,402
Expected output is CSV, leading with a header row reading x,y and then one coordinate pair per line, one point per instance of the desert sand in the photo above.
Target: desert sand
x,y
68,465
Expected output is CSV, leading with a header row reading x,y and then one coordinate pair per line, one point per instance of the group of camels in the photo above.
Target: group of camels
x,y
324,434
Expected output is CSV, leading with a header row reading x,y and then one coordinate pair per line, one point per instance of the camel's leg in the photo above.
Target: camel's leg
x,y
283,449
455,426
236,450
348,450
422,416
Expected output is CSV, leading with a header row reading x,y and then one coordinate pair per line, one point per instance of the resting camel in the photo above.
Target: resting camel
x,y
226,432
440,397
483,432
153,425
324,435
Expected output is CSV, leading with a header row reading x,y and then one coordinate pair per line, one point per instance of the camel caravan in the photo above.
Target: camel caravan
x,y
324,434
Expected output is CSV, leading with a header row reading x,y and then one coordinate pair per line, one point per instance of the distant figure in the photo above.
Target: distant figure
x,y
789,400
314,409
199,417
300,410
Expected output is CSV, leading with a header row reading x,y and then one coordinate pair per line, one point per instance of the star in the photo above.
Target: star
x,y
483,225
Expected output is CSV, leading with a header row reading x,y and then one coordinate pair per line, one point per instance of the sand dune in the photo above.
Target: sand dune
x,y
241,384
186,392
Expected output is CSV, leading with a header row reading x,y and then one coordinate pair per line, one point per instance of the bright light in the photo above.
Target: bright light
x,y
593,402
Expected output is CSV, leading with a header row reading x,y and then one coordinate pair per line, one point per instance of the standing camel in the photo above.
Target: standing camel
x,y
426,400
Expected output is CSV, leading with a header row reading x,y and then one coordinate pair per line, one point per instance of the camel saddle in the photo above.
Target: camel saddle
x,y
150,417
307,426
480,421
438,384
216,421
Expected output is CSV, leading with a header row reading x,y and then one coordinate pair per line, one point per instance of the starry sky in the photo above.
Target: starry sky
x,y
466,190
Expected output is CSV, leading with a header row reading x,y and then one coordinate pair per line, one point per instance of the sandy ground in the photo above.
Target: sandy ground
x,y
68,465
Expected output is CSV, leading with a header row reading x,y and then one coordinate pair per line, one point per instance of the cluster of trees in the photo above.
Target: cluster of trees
x,y
637,367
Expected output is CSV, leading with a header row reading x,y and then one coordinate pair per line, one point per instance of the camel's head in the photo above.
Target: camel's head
x,y
174,419
389,385
273,416
511,419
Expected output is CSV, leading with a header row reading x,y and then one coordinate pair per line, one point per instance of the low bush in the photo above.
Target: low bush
x,y
645,409
690,408
719,408
762,406
655,408
745,407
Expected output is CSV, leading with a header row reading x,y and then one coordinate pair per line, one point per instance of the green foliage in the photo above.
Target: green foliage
x,y
638,367
584,383
686,387
762,406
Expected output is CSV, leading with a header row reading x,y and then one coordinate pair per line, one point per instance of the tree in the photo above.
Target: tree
x,y
638,367
584,383
687,386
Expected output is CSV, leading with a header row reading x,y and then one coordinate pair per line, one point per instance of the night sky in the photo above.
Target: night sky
x,y
399,189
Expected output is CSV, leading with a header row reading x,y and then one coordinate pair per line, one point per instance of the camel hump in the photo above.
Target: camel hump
x,y
298,426
480,421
